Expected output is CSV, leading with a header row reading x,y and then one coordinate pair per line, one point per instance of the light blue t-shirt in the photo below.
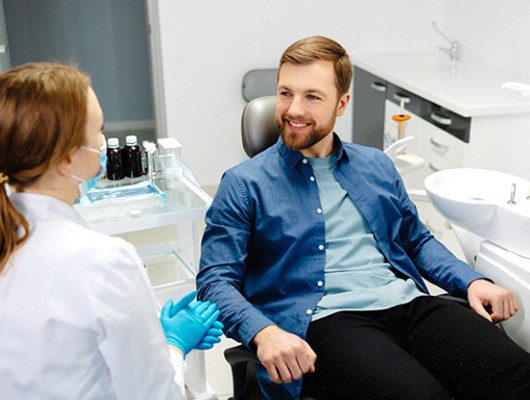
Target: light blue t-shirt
x,y
357,276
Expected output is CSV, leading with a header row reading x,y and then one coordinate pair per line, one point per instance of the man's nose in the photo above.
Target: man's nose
x,y
296,107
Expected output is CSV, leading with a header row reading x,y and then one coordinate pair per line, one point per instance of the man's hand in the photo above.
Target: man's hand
x,y
482,293
284,355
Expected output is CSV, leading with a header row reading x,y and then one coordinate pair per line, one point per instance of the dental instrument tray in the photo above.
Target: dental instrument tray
x,y
112,201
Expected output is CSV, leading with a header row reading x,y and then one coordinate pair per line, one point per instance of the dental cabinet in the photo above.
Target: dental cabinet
x,y
171,265
460,117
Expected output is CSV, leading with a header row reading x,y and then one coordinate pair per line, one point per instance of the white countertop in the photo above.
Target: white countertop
x,y
466,87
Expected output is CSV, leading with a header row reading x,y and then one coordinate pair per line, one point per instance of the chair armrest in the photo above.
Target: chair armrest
x,y
242,361
239,354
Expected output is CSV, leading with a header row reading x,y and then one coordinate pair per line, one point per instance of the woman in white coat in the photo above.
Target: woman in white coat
x,y
77,314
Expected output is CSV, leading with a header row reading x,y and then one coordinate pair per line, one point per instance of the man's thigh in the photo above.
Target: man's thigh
x,y
358,358
471,357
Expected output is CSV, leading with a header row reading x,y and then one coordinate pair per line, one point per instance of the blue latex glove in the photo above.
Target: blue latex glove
x,y
183,302
186,327
212,337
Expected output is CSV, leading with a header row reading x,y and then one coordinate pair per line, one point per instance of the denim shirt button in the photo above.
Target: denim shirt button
x,y
309,312
304,160
319,211
320,283
321,247
312,178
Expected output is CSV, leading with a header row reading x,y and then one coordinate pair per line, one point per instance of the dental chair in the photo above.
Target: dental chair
x,y
258,132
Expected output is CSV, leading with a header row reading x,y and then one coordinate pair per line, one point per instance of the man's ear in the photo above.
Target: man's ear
x,y
343,103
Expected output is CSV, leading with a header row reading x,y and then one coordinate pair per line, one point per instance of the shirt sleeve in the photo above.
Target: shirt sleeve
x,y
434,261
223,253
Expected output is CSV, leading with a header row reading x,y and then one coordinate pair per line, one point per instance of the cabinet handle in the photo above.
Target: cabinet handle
x,y
441,120
438,145
401,98
380,87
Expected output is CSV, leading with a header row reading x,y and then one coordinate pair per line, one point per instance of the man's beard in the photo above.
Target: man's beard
x,y
301,141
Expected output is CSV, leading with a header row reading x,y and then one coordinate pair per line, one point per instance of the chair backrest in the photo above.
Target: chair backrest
x,y
258,130
259,82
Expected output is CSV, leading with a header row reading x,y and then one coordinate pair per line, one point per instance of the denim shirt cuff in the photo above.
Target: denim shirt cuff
x,y
467,277
251,327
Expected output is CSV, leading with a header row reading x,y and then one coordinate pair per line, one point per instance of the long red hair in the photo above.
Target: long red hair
x,y
42,120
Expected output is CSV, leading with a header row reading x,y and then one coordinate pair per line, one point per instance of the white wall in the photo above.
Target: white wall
x,y
208,46
492,31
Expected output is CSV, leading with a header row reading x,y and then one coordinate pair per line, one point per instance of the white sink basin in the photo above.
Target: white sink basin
x,y
479,200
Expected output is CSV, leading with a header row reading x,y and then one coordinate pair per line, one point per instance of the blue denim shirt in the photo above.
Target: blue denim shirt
x,y
263,253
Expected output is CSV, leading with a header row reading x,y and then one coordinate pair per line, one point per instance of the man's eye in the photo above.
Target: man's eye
x,y
313,97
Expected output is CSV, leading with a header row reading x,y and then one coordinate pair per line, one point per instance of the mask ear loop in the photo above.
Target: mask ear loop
x,y
99,150
86,184
90,149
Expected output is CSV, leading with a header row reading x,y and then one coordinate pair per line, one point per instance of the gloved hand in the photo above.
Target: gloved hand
x,y
183,302
211,337
186,327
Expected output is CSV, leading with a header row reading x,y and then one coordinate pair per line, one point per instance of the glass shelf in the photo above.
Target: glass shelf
x,y
169,274
164,264
185,202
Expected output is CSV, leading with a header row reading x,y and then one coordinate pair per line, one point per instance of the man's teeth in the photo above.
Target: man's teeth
x,y
297,125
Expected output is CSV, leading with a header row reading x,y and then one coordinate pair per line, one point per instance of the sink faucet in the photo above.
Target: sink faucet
x,y
454,50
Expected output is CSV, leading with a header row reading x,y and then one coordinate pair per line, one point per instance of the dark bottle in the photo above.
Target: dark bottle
x,y
114,160
132,158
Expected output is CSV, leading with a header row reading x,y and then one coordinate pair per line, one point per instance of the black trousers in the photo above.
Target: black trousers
x,y
429,348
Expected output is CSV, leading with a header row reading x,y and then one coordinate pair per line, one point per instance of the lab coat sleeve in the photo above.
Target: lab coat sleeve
x,y
178,367
121,307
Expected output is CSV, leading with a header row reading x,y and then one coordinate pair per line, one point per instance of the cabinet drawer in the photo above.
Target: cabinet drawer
x,y
412,103
438,141
452,123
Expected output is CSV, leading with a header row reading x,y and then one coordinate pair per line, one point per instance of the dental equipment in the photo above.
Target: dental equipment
x,y
400,119
404,161
474,202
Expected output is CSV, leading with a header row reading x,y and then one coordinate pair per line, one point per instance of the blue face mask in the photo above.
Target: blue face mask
x,y
85,185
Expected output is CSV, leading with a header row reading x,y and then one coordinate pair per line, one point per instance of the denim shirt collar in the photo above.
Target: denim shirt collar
x,y
293,157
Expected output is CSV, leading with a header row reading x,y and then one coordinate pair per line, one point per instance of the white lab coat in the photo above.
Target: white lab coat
x,y
77,315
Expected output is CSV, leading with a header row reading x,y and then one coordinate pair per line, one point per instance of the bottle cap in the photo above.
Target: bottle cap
x,y
113,143
131,140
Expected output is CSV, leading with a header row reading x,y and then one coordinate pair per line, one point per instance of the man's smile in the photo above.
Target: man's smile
x,y
297,125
